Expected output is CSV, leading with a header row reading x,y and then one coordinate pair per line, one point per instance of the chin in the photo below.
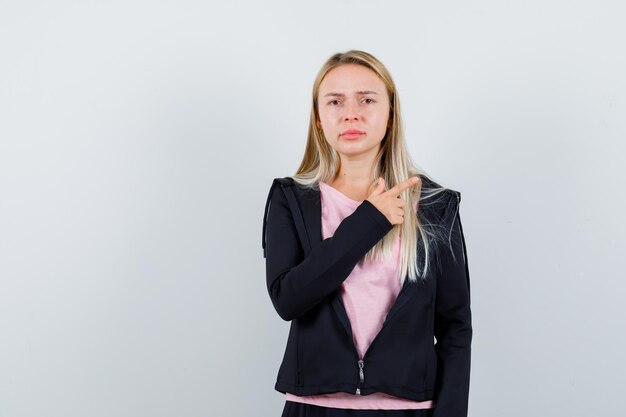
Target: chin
x,y
354,151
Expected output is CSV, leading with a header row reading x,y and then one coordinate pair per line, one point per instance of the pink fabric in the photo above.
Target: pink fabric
x,y
368,293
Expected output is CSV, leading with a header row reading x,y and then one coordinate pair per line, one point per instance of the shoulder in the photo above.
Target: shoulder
x,y
430,184
437,198
281,181
285,180
303,189
285,190
276,195
291,181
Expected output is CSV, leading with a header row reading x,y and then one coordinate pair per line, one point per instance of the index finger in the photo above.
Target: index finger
x,y
398,188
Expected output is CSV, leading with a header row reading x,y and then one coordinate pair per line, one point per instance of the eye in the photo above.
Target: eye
x,y
332,101
370,100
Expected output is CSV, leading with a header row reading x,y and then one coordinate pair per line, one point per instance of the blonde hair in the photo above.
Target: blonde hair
x,y
322,163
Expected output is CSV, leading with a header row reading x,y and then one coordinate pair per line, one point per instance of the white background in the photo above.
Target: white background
x,y
138,141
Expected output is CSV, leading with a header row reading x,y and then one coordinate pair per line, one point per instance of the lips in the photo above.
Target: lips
x,y
352,132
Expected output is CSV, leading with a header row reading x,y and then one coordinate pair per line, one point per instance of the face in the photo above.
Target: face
x,y
353,98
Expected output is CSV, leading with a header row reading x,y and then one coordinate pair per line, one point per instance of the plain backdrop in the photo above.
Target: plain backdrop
x,y
138,141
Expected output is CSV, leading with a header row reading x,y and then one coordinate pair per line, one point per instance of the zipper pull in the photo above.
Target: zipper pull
x,y
361,375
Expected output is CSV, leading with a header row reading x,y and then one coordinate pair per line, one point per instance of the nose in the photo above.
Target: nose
x,y
351,112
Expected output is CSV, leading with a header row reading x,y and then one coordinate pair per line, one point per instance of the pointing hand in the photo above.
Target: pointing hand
x,y
389,202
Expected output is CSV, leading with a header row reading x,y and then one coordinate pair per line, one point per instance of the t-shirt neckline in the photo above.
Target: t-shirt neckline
x,y
340,194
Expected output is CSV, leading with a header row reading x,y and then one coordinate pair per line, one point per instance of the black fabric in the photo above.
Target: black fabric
x,y
304,273
296,409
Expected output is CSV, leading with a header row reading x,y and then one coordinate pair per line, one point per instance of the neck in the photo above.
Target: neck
x,y
355,173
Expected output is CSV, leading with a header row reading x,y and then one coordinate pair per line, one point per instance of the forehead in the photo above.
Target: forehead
x,y
349,78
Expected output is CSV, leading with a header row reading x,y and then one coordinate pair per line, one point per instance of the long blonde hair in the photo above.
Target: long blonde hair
x,y
322,163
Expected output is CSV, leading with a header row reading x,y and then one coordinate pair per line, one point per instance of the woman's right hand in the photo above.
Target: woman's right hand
x,y
389,202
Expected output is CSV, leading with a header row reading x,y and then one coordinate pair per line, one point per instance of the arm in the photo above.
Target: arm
x,y
296,283
453,323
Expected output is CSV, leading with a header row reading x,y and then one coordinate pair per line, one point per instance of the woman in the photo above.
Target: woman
x,y
365,255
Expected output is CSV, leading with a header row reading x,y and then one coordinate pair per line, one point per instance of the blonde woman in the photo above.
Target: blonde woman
x,y
365,256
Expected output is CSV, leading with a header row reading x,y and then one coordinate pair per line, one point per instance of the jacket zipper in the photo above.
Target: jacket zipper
x,y
361,363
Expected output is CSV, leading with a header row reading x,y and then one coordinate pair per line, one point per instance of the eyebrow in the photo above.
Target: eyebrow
x,y
333,94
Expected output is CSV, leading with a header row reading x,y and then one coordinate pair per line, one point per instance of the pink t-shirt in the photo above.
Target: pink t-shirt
x,y
368,294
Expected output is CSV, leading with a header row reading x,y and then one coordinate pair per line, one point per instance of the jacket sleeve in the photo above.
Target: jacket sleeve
x,y
453,323
297,283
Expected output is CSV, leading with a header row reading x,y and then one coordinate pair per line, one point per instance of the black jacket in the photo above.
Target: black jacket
x,y
304,274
